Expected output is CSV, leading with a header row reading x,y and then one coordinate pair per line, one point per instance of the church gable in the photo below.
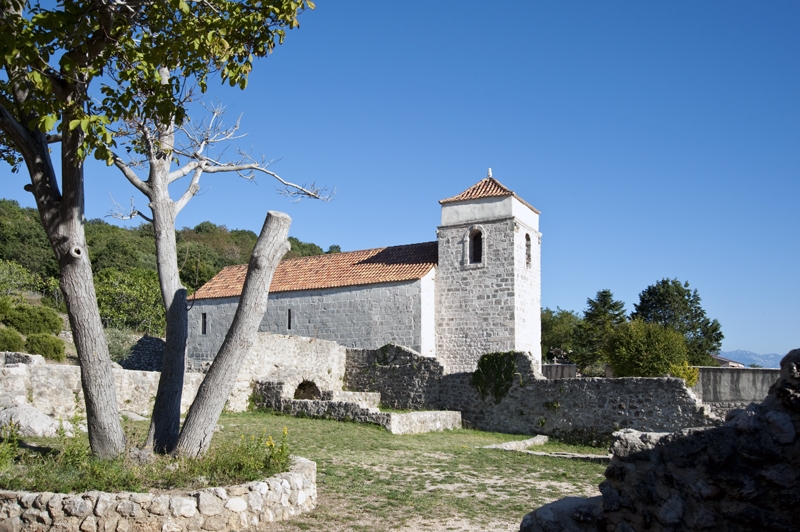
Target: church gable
x,y
372,266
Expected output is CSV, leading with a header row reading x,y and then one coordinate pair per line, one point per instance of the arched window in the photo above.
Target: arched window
x,y
527,250
475,247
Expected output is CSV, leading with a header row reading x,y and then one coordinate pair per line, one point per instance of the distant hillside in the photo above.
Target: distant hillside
x,y
770,360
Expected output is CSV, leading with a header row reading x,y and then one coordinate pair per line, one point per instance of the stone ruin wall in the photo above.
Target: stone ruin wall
x,y
250,506
586,409
55,389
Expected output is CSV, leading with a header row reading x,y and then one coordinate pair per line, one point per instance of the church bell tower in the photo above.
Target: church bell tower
x,y
488,280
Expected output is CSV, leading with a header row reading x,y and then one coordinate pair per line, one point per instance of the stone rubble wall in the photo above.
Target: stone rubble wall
x,y
146,354
585,409
404,378
249,506
268,396
55,389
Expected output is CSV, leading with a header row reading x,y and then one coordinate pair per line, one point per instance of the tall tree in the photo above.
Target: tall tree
x,y
161,144
50,57
559,329
601,317
674,305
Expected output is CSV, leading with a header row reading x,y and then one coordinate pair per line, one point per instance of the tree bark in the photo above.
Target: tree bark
x,y
165,423
204,413
62,216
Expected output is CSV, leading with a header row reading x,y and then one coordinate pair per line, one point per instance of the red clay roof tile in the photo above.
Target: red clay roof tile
x,y
370,266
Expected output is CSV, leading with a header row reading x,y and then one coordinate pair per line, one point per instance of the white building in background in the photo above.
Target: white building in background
x,y
476,290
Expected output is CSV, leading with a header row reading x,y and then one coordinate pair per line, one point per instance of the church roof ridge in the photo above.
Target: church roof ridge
x,y
406,262
488,187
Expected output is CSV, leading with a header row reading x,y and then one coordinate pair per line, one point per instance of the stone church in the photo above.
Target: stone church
x,y
476,290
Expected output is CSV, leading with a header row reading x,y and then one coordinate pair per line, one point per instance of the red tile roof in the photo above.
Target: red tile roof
x,y
370,266
488,187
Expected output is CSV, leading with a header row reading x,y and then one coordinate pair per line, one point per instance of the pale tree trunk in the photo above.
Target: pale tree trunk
x,y
204,413
165,423
62,216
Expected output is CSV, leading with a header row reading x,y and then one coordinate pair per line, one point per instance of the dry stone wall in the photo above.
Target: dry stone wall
x,y
583,409
55,389
404,378
250,506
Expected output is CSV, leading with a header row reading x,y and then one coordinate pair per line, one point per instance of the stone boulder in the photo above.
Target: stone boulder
x,y
742,476
33,422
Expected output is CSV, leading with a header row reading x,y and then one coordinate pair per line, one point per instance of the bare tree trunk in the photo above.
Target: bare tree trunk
x,y
165,423
62,218
204,413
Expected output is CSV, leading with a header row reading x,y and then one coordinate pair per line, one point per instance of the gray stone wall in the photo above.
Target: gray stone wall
x,y
475,303
574,409
734,385
582,410
250,506
361,316
55,389
405,379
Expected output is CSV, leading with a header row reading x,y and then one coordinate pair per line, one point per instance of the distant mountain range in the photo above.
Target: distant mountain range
x,y
771,360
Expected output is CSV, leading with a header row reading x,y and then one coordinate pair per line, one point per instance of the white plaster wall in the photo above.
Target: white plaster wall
x,y
479,210
428,314
527,292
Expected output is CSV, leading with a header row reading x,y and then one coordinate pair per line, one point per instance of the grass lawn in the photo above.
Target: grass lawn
x,y
371,480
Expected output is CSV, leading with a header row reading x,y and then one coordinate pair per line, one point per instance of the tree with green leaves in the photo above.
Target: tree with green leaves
x,y
559,330
51,57
674,305
600,319
644,349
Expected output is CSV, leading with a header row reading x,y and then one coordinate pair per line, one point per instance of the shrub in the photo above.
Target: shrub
x,y
641,349
6,305
50,347
11,340
131,300
495,374
29,319
120,342
685,372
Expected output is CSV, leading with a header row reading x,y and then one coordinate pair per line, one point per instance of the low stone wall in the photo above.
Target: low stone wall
x,y
55,389
146,354
290,359
364,399
404,378
249,506
585,409
268,395
734,385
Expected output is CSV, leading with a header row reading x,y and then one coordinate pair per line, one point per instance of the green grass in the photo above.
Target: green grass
x,y
371,480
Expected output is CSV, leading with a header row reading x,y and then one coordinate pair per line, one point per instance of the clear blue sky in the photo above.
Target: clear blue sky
x,y
658,140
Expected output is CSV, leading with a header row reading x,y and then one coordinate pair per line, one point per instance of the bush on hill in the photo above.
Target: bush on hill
x,y
11,340
29,319
50,347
